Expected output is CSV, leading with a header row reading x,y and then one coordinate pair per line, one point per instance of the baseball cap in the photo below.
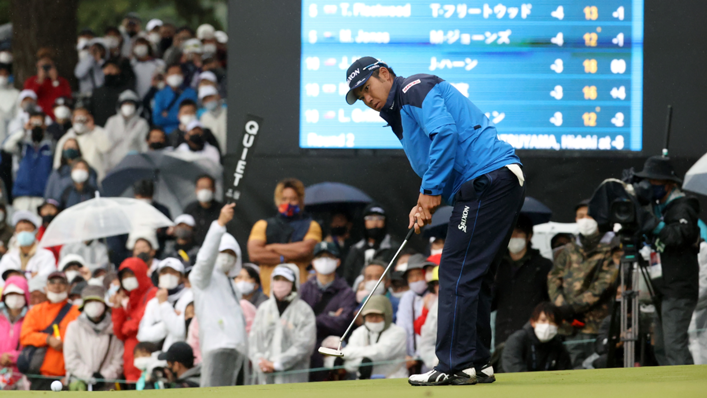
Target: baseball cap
x,y
71,259
57,274
24,215
359,72
285,273
186,219
194,124
207,91
326,247
171,262
373,209
178,352
153,23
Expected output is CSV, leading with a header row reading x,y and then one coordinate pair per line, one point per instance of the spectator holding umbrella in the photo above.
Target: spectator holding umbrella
x,y
47,83
13,309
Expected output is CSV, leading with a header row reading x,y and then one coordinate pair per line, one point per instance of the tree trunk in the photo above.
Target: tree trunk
x,y
43,23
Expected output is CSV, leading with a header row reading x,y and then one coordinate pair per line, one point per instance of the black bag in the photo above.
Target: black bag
x,y
31,358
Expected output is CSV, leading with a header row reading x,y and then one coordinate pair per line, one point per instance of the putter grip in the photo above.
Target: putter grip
x,y
410,232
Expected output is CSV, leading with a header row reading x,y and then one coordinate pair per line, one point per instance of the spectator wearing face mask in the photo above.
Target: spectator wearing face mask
x,y
145,359
37,292
47,83
580,284
212,65
521,281
115,41
92,140
13,309
81,190
6,230
137,287
144,65
167,101
32,149
187,115
331,299
91,351
340,234
196,143
222,336
173,54
153,35
47,211
131,29
214,118
105,99
206,209
183,245
89,69
167,34
537,347
369,276
144,245
62,116
378,340
38,329
28,258
60,178
8,100
183,373
287,343
164,314
376,238
248,284
126,129
73,266
290,236
156,140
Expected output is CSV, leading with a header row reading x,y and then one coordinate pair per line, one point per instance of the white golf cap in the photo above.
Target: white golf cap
x,y
26,94
285,273
145,234
205,91
24,215
12,289
208,75
185,219
71,258
221,36
153,23
192,46
171,262
205,32
194,124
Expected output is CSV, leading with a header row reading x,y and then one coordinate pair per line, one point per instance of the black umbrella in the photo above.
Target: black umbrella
x,y
440,222
536,211
333,194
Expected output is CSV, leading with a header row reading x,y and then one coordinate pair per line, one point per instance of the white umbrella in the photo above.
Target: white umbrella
x,y
100,218
696,177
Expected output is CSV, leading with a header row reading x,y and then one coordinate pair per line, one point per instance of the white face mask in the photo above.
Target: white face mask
x,y
168,281
225,262
186,119
545,331
77,302
209,48
96,281
245,287
324,265
175,81
434,252
111,41
62,112
587,226
79,176
127,109
83,54
401,267
94,309
516,245
15,301
418,287
142,363
57,297
80,128
375,327
204,195
397,295
70,275
368,286
3,81
140,51
130,283
154,37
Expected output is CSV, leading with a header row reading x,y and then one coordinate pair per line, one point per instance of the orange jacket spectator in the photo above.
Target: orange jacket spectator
x,y
126,321
36,321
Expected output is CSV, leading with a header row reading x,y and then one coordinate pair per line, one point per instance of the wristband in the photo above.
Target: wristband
x,y
282,259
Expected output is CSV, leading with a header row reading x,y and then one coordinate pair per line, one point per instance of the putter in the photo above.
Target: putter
x,y
337,353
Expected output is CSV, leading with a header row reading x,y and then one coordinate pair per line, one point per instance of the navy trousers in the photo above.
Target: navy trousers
x,y
484,215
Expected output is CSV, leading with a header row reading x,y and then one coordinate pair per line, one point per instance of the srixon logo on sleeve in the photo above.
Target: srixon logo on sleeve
x,y
465,214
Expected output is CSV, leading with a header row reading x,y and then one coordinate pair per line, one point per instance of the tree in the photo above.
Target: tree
x,y
43,23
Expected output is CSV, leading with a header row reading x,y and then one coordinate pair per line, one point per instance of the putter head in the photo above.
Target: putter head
x,y
331,352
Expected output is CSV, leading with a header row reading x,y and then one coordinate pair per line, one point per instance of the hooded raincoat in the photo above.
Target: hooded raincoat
x,y
287,339
165,321
126,321
386,346
10,331
92,348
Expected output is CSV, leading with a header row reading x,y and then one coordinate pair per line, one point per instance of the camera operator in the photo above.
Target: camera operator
x,y
676,241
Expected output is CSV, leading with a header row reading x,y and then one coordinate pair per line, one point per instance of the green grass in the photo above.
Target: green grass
x,y
663,382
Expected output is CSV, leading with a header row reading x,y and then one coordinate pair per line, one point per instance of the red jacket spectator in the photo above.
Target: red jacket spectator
x,y
126,321
47,83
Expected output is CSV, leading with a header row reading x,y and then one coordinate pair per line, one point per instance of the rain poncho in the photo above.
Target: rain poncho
x,y
287,340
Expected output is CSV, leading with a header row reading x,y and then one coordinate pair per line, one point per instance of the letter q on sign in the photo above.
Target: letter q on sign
x,y
252,127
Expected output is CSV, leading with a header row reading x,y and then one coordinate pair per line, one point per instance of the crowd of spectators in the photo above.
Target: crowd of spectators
x,y
178,307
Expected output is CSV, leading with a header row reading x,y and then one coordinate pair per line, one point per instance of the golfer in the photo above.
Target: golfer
x,y
454,148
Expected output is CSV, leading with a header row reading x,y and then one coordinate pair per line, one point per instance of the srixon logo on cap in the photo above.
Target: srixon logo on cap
x,y
353,74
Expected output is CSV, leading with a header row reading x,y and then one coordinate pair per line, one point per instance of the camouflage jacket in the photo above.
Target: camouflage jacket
x,y
584,281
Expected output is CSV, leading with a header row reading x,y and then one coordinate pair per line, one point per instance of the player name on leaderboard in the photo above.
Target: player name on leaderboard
x,y
550,75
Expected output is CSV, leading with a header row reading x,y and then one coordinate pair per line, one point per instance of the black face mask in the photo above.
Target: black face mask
x,y
47,219
339,231
144,256
165,43
111,80
132,33
157,145
37,134
66,126
198,142
375,233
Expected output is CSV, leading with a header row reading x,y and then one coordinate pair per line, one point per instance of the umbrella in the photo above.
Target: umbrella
x,y
696,177
100,218
536,211
333,193
174,174
440,221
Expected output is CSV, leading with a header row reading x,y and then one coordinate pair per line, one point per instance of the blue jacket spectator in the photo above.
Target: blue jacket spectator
x,y
166,109
60,178
81,190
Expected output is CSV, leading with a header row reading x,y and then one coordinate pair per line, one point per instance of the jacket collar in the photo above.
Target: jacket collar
x,y
391,110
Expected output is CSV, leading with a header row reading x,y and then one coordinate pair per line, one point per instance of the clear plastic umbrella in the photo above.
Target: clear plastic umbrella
x,y
696,177
100,218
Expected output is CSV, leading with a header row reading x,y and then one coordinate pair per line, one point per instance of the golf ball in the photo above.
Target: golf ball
x,y
56,386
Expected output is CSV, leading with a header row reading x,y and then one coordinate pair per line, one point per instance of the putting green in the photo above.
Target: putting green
x,y
663,382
